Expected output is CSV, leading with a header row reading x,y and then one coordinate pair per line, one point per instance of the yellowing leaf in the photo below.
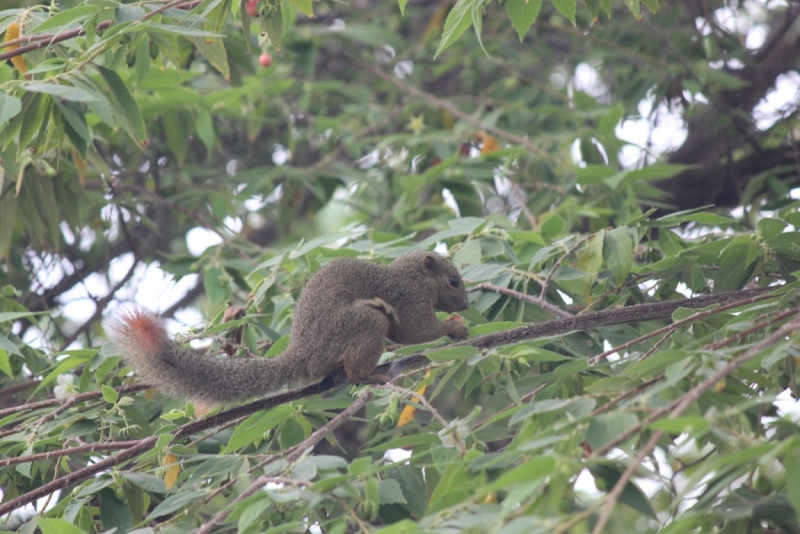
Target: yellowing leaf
x,y
81,167
13,33
407,415
435,22
173,469
488,143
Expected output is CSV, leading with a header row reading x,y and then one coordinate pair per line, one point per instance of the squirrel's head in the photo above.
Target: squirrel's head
x,y
444,278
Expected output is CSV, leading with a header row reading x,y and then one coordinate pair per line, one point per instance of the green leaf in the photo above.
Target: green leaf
x,y
61,91
175,131
652,5
9,346
591,256
605,427
452,353
57,526
146,481
218,286
5,366
657,171
35,117
113,513
127,13
42,192
406,526
175,502
792,465
734,268
635,8
534,469
566,8
252,512
8,212
109,394
10,106
619,246
255,426
631,495
183,31
769,227
687,423
523,14
127,112
7,317
452,487
608,123
73,15
389,492
214,52
490,328
594,8
537,407
458,20
306,7
271,21
142,65
674,219
75,125
477,23
402,4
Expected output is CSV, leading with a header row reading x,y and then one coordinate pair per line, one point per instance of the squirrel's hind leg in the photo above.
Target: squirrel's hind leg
x,y
365,346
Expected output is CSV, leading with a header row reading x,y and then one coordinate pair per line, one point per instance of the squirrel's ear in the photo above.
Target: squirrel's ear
x,y
429,261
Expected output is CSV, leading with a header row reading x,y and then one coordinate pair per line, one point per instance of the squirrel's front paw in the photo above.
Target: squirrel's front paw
x,y
456,327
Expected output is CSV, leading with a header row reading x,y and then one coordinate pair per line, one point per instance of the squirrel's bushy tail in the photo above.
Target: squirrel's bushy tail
x,y
142,339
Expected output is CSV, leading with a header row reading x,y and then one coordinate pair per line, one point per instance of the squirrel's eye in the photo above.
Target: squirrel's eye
x,y
453,281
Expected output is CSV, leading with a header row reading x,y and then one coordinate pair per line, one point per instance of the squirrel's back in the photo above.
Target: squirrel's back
x,y
342,320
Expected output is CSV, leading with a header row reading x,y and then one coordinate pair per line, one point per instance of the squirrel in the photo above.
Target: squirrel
x,y
343,316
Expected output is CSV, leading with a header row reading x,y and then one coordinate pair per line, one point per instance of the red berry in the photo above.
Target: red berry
x,y
265,60
251,7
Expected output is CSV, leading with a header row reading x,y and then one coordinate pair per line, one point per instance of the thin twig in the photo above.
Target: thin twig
x,y
69,402
71,451
557,264
619,487
10,390
100,305
428,406
523,399
755,328
622,396
79,475
536,301
133,388
594,360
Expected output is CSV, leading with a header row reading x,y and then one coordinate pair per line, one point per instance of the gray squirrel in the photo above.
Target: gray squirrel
x,y
342,319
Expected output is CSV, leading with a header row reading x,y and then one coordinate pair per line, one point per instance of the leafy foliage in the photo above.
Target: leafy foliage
x,y
132,132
